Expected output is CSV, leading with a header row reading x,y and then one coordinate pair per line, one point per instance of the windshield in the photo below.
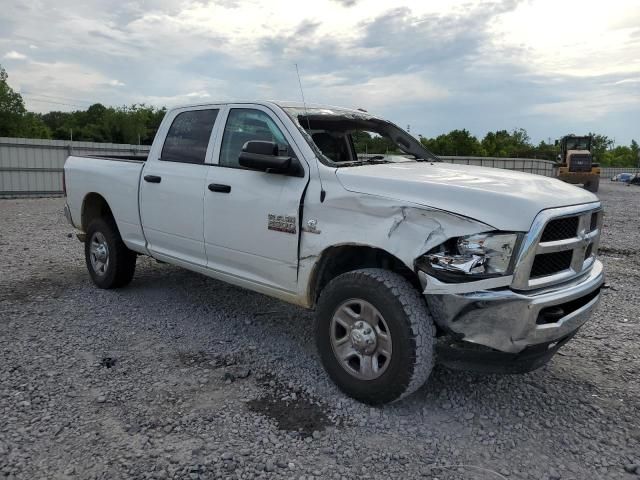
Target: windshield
x,y
348,138
578,143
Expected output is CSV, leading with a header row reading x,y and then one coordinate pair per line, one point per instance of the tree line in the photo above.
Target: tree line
x,y
517,143
503,143
138,123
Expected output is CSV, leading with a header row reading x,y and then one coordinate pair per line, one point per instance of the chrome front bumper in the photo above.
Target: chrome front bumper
x,y
510,321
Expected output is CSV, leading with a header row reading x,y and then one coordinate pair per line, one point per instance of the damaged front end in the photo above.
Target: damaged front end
x,y
501,330
490,324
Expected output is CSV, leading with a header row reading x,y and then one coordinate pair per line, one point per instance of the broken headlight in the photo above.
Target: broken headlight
x,y
482,255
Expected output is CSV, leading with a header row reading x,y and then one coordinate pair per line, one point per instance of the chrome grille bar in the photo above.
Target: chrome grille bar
x,y
577,244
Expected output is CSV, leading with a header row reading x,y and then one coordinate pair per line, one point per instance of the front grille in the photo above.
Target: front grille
x,y
550,263
560,229
561,245
580,163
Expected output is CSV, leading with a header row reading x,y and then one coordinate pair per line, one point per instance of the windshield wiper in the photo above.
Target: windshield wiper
x,y
364,161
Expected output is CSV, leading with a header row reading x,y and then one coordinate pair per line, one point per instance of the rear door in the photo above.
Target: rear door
x,y
173,184
251,217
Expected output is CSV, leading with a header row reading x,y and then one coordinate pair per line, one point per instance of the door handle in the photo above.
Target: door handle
x,y
152,178
216,187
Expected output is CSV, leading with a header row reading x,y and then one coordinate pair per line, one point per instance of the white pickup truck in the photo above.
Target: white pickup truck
x,y
406,260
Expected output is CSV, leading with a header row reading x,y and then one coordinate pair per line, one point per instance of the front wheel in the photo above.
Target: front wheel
x,y
374,335
110,263
592,185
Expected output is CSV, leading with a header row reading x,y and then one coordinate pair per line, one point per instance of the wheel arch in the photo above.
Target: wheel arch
x,y
94,206
338,259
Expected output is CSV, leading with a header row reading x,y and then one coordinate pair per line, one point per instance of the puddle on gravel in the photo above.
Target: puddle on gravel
x,y
36,289
299,415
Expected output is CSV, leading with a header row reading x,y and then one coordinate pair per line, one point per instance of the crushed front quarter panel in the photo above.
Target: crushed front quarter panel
x,y
348,218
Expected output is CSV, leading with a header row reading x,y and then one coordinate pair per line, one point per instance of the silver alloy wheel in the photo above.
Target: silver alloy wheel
x,y
360,339
99,253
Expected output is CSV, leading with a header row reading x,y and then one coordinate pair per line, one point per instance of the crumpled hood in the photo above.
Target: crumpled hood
x,y
505,199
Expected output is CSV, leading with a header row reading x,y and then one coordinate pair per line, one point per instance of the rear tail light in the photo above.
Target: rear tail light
x,y
64,183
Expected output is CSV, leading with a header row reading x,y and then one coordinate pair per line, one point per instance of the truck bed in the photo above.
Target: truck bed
x,y
116,179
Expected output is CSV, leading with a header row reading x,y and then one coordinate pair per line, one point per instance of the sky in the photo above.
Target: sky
x,y
549,66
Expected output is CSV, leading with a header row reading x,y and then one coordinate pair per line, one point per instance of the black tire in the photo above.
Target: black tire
x,y
121,265
592,185
410,326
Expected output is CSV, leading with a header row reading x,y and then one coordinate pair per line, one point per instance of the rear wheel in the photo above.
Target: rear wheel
x,y
110,263
374,335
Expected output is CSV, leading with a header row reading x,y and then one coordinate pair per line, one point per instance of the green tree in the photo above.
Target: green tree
x,y
34,127
599,146
635,153
456,142
621,156
546,151
504,144
56,120
12,108
15,121
365,142
107,124
361,140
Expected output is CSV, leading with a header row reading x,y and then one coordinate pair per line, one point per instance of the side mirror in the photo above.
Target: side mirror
x,y
263,156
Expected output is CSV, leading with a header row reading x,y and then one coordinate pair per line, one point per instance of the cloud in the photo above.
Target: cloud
x,y
13,55
627,80
377,92
346,3
63,80
476,64
591,98
200,94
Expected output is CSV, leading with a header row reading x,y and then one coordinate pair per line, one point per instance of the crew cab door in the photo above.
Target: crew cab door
x,y
251,217
173,184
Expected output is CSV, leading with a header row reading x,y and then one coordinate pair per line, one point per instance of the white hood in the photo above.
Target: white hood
x,y
504,199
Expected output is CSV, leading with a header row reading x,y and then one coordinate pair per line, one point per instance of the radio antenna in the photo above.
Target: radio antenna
x,y
304,104
323,193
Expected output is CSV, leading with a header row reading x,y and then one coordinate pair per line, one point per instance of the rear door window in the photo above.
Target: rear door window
x,y
188,137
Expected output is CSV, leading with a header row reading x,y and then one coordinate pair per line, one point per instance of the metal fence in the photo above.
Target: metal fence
x,y
529,165
537,166
33,167
608,172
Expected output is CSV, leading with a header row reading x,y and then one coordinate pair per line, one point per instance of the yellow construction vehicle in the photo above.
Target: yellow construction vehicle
x,y
575,162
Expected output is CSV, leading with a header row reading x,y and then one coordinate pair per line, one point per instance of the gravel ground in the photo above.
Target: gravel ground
x,y
181,376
